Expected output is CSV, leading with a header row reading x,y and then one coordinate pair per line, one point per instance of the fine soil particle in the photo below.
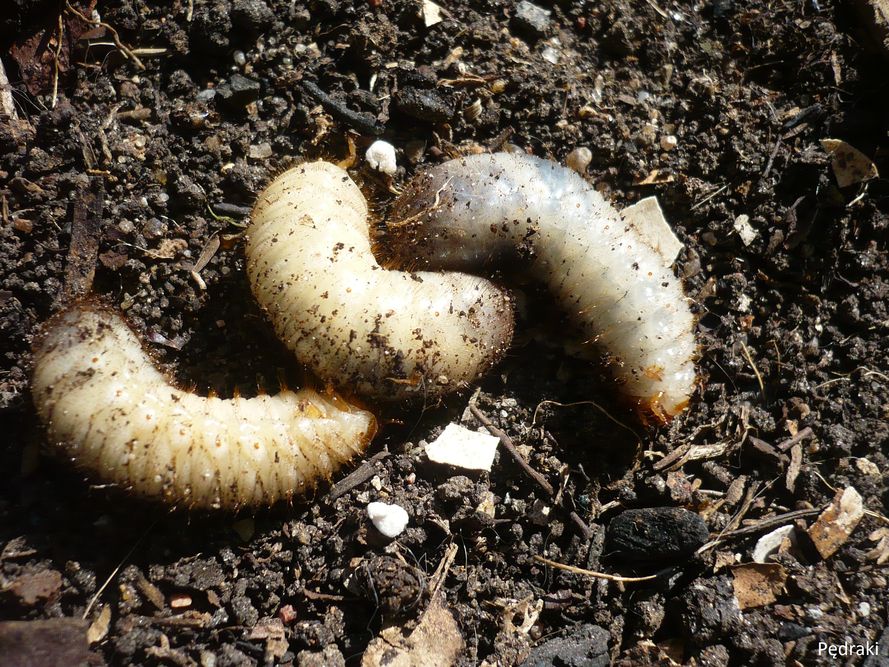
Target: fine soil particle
x,y
145,148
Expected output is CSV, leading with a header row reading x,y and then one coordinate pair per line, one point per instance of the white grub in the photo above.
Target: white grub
x,y
476,212
459,447
383,334
381,156
390,520
107,407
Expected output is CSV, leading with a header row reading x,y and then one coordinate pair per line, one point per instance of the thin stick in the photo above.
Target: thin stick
x,y
762,388
114,572
57,55
507,443
801,435
760,526
576,403
593,573
541,481
120,45
358,476
708,197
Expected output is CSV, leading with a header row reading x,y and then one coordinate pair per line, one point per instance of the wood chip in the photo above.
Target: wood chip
x,y
58,641
150,591
180,601
796,461
434,642
36,587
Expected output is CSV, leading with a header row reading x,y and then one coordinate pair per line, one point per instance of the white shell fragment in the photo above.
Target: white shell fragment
x,y
381,156
648,219
459,447
745,229
431,13
390,520
771,542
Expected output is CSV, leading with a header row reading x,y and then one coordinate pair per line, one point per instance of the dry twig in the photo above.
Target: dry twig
x,y
593,573
124,49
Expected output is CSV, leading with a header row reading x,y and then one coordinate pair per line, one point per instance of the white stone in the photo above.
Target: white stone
x,y
648,219
771,542
390,520
458,446
579,159
745,229
669,142
431,13
381,156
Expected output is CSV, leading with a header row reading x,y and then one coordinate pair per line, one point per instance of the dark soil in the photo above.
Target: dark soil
x,y
794,326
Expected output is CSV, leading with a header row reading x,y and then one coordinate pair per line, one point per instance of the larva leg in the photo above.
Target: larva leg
x,y
470,213
383,334
119,418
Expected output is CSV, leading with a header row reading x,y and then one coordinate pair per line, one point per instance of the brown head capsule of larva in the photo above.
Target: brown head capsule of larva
x,y
116,416
472,213
382,334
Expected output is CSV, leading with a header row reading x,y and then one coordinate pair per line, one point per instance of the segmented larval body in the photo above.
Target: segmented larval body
x,y
472,213
118,417
379,333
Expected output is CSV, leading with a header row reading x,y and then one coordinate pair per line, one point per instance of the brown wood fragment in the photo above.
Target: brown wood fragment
x,y
796,460
86,232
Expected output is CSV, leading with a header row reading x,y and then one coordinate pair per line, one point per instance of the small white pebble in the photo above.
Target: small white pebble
x,y
864,608
669,142
390,520
459,447
381,156
579,159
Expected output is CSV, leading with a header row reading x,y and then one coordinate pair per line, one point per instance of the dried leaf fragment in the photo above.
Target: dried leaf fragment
x,y
757,584
835,524
435,642
849,164
98,630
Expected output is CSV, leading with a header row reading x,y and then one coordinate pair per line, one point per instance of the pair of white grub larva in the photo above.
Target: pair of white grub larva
x,y
109,408
393,334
